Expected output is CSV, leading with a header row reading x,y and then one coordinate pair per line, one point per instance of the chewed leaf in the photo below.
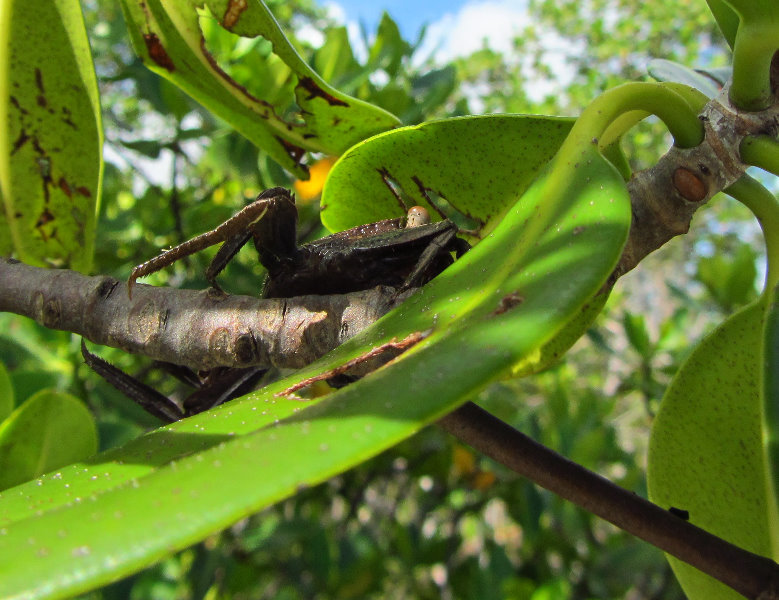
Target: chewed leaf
x,y
49,430
51,144
168,37
706,452
495,308
469,169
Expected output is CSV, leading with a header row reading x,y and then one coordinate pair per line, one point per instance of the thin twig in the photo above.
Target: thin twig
x,y
749,574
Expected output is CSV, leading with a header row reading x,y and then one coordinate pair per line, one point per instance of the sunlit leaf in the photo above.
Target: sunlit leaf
x,y
48,431
493,309
168,37
50,133
470,169
706,452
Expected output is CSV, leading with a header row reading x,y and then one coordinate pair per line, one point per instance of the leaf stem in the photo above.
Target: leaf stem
x,y
754,48
761,151
749,574
765,207
654,98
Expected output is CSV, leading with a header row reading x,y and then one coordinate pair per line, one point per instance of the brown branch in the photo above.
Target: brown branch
x,y
665,196
749,574
198,329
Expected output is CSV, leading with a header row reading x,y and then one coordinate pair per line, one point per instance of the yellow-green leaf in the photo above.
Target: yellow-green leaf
x,y
50,133
706,453
168,38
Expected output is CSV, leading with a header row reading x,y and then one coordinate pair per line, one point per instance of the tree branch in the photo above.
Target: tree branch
x,y
198,329
665,196
749,574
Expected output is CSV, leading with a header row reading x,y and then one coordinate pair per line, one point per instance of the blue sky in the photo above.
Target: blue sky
x,y
409,14
455,27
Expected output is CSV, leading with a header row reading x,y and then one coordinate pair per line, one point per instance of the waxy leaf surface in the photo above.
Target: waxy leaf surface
x,y
469,169
492,310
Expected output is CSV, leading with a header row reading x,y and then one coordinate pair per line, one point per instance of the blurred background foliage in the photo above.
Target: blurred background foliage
x,y
428,519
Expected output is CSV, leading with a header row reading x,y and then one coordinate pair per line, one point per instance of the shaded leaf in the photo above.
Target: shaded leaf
x,y
6,393
49,430
666,70
51,142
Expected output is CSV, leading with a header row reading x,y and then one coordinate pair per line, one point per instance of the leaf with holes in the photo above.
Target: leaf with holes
x,y
51,142
169,38
469,169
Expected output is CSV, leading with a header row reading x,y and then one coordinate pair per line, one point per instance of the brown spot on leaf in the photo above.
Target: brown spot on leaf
x,y
46,217
689,185
20,141
314,91
65,187
508,302
157,52
39,80
233,12
84,191
295,152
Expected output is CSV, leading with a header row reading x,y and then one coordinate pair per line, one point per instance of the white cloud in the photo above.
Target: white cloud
x,y
494,22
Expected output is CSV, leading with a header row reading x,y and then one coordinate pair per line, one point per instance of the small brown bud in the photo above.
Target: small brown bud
x,y
689,185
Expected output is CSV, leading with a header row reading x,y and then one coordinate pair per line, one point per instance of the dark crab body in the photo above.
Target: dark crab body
x,y
381,253
400,253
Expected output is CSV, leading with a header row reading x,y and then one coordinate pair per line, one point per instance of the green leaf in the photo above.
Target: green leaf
x,y
706,452
389,48
771,414
637,334
168,38
727,19
492,310
472,168
666,70
730,279
50,137
6,393
50,430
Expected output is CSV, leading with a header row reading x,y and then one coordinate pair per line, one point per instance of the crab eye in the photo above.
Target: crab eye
x,y
417,215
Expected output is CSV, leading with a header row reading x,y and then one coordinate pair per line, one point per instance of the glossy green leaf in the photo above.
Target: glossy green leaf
x,y
470,169
771,414
706,452
49,430
50,133
6,393
494,309
168,38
